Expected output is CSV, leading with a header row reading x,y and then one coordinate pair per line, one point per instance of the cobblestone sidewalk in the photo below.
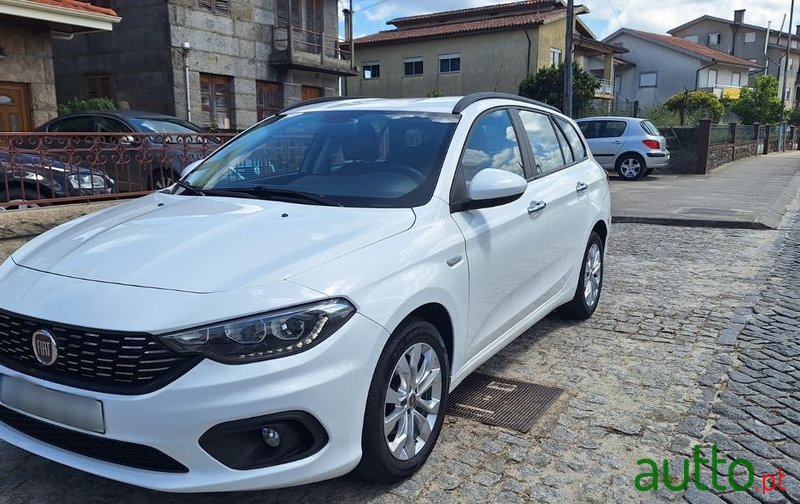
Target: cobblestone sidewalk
x,y
649,361
750,397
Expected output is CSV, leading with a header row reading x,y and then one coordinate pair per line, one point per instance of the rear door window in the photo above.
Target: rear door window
x,y
613,129
77,124
574,139
546,147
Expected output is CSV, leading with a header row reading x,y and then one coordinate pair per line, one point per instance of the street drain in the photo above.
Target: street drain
x,y
502,402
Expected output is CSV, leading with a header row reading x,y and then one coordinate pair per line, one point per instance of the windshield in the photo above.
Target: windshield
x,y
163,125
349,158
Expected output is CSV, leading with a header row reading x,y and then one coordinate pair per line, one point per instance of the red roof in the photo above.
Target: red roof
x,y
491,24
698,49
78,6
471,11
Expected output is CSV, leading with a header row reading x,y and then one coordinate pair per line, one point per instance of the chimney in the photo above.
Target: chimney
x,y
738,16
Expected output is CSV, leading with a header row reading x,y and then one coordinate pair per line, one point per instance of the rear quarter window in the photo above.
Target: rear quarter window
x,y
650,128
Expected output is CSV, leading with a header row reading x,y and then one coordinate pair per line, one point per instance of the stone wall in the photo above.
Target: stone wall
x,y
29,60
719,155
135,55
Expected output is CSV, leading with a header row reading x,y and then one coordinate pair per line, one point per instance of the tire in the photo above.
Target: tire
x,y
18,194
378,463
648,172
582,305
630,166
163,178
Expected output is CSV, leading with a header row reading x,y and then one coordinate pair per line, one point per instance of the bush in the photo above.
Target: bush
x,y
759,104
662,117
547,85
76,105
695,105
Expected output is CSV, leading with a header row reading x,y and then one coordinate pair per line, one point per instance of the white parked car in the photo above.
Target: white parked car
x,y
301,303
631,146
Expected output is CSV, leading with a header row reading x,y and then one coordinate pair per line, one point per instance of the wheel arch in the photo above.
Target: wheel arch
x,y
625,154
601,228
436,314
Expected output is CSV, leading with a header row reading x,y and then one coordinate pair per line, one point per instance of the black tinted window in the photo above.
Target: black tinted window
x,y
78,124
578,149
544,142
603,129
492,144
106,124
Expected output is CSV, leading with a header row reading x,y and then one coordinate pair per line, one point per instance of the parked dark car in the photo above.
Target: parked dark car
x,y
136,162
30,177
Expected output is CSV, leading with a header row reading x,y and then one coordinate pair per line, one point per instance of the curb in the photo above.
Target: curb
x,y
679,222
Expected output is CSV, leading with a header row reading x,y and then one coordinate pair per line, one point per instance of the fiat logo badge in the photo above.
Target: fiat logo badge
x,y
45,347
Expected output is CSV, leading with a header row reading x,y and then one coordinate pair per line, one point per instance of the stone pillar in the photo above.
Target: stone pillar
x,y
732,127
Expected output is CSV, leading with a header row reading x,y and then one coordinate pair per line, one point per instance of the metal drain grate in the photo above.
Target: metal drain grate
x,y
502,402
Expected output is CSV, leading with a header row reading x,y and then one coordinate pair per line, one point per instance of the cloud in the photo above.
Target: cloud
x,y
606,15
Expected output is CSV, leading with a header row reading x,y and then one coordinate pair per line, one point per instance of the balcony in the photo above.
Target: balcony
x,y
605,89
312,51
720,91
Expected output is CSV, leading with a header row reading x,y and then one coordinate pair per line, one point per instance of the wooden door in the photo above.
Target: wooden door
x,y
311,92
15,107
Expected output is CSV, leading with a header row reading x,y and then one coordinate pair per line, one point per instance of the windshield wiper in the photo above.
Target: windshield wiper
x,y
273,192
192,189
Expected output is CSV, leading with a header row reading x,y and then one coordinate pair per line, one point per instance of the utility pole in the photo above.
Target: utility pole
x,y
568,76
786,76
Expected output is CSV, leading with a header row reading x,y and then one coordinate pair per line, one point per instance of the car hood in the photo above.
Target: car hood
x,y
206,244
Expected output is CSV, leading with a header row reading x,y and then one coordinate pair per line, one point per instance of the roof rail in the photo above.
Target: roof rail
x,y
476,97
316,101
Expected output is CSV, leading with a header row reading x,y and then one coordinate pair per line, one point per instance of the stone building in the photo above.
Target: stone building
x,y
242,61
27,27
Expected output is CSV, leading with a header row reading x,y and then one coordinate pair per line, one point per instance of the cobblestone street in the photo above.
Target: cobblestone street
x,y
696,340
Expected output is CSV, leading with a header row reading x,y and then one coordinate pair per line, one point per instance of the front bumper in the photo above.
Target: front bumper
x,y
330,382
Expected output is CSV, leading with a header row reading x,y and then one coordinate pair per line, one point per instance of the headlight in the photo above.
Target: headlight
x,y
262,337
86,181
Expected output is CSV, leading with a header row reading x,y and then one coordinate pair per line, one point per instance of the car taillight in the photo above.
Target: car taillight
x,y
652,144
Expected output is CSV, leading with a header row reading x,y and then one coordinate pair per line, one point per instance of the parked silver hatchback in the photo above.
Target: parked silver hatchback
x,y
633,147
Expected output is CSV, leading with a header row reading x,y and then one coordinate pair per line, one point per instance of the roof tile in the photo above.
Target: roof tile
x,y
699,49
79,6
491,24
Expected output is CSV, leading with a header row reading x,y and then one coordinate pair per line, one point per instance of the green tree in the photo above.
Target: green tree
x,y
759,104
547,85
76,105
696,105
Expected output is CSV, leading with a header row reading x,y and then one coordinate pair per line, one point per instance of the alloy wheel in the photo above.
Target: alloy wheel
x,y
631,168
413,397
593,275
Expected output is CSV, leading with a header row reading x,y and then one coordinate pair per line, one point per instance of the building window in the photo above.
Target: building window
x,y
692,38
371,70
794,44
713,39
791,63
216,95
736,79
712,78
555,57
215,6
648,79
449,63
269,99
413,66
98,86
750,38
311,92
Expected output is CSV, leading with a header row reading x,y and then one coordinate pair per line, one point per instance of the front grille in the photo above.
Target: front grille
x,y
108,450
103,361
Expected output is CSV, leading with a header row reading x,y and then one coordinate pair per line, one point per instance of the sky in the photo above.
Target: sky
x,y
605,16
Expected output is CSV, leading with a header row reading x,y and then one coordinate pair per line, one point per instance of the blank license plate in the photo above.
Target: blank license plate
x,y
68,409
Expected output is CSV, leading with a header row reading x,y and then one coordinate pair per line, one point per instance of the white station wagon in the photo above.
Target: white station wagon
x,y
301,303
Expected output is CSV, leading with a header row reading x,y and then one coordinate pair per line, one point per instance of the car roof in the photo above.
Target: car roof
x,y
443,105
122,114
610,118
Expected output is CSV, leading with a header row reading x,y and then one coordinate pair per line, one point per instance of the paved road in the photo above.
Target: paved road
x,y
651,359
751,193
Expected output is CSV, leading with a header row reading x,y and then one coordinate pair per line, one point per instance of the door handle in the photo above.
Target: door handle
x,y
581,187
618,142
536,206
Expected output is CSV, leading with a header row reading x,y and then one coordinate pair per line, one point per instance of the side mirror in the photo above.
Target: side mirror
x,y
190,168
492,187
